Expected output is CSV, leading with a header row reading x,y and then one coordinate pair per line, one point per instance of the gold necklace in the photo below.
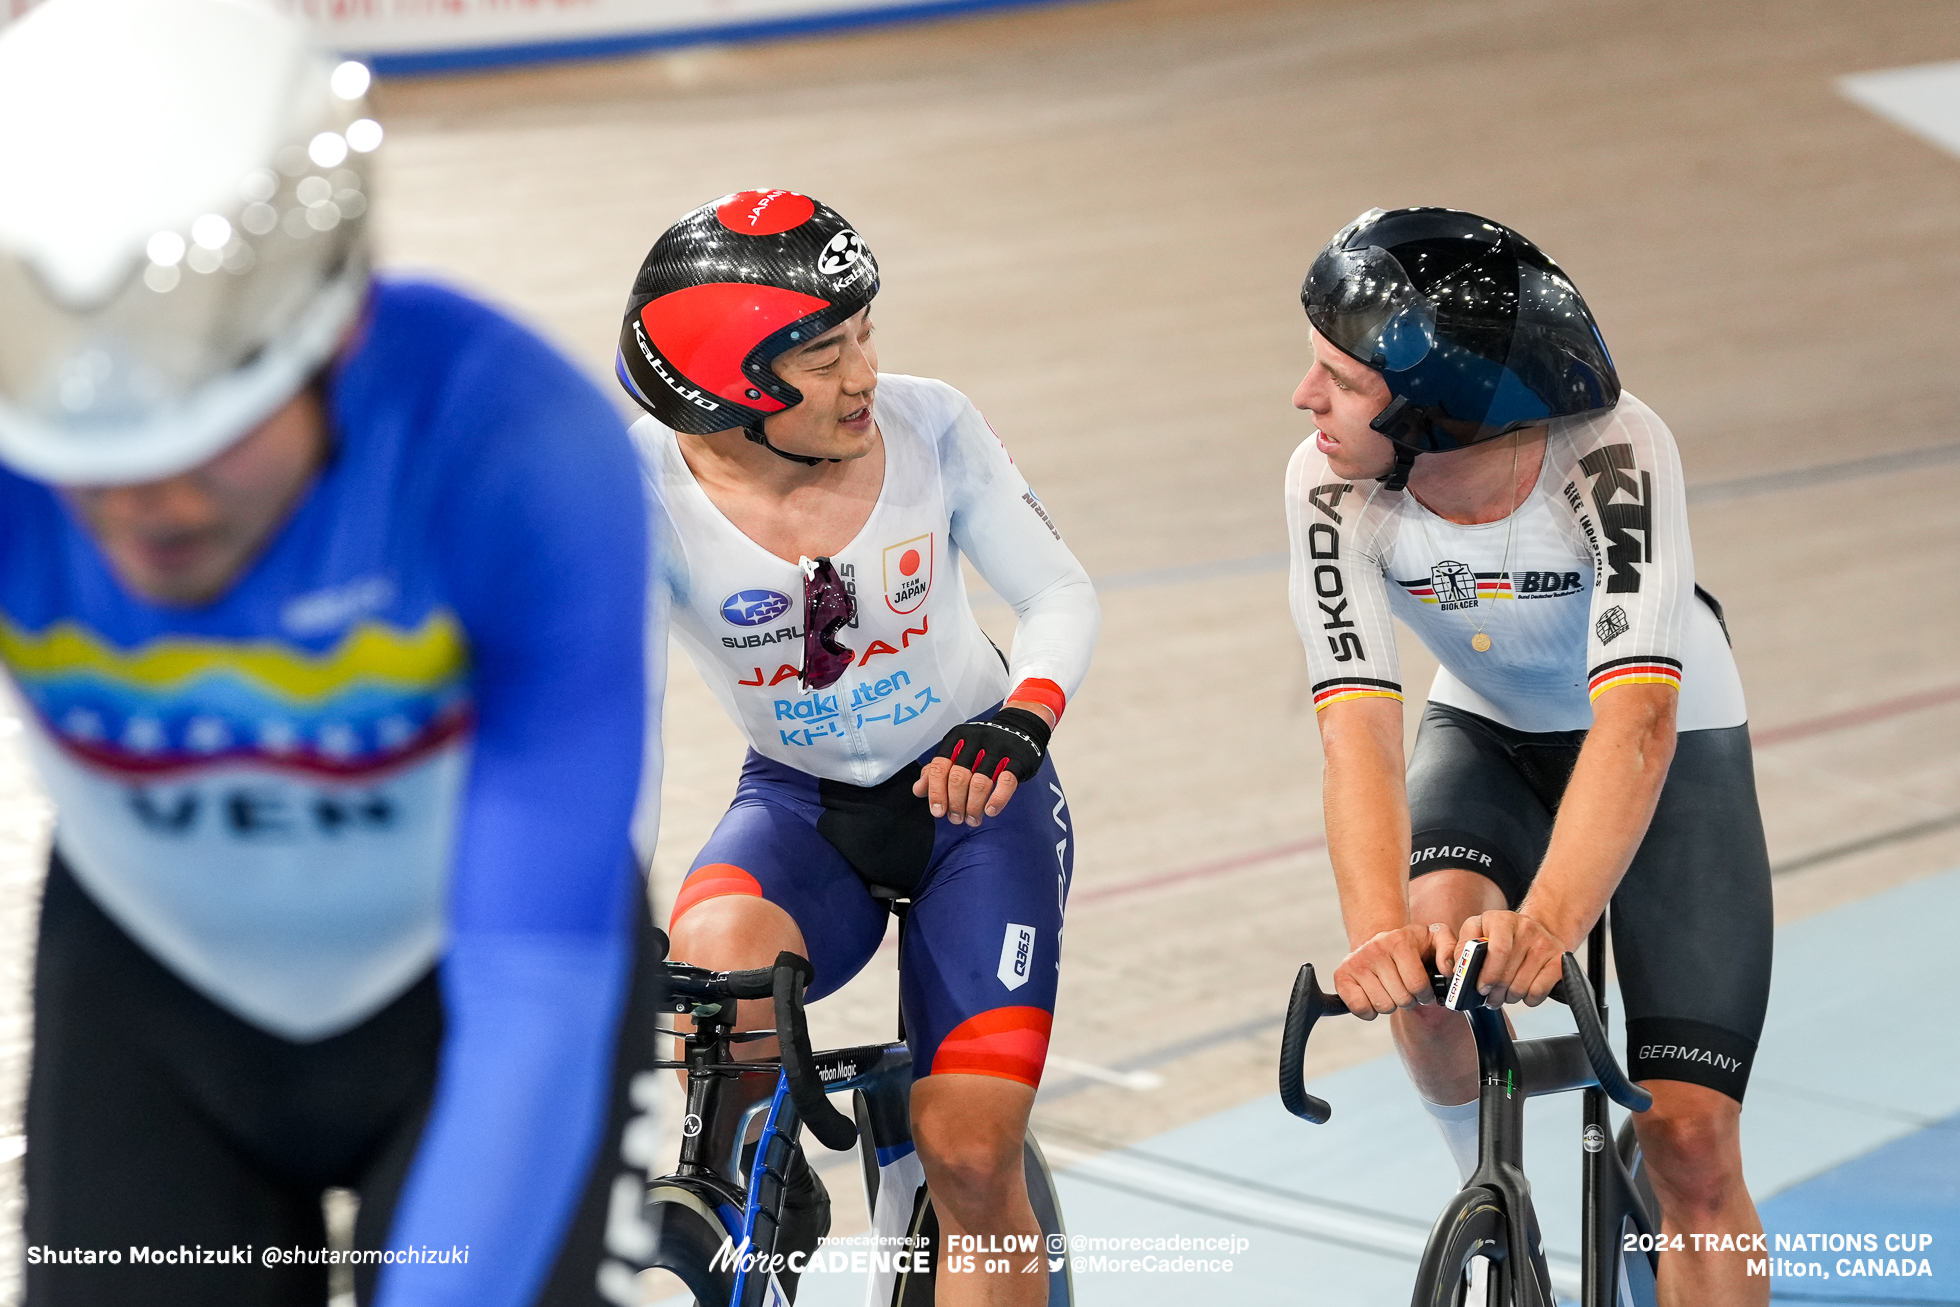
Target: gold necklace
x,y
1479,641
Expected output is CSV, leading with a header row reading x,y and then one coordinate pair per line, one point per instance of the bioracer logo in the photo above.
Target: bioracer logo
x,y
1016,955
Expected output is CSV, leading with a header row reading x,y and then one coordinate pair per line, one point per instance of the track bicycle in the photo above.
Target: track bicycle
x,y
1485,1249
714,1221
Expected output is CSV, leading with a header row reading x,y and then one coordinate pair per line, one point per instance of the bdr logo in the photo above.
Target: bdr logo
x,y
1546,583
1016,955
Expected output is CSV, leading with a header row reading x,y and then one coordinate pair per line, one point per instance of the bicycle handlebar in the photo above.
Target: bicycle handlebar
x,y
1576,993
1306,1006
759,983
787,978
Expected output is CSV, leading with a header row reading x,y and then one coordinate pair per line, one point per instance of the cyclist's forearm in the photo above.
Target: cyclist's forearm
x,y
1365,802
1606,810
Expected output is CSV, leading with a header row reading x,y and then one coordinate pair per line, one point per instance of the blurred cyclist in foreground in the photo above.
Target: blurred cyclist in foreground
x,y
1478,473
819,510
325,597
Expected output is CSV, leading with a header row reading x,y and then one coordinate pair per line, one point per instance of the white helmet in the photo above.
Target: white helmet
x,y
183,244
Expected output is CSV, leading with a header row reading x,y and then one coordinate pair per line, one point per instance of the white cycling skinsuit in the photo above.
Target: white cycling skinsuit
x,y
922,664
1598,589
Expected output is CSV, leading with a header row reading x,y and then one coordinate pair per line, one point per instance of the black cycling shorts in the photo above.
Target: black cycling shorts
x,y
1692,920
157,1119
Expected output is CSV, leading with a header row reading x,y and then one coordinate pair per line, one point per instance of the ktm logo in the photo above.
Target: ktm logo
x,y
1625,508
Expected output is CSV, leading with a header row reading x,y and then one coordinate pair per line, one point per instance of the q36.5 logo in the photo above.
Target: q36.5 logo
x,y
754,607
845,249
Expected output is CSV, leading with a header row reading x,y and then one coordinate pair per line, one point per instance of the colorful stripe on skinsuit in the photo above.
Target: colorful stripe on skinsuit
x,y
711,881
370,652
1354,687
1008,1042
1490,585
1635,671
1042,691
379,698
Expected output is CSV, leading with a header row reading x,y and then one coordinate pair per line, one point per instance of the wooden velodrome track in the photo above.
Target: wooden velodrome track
x,y
1094,220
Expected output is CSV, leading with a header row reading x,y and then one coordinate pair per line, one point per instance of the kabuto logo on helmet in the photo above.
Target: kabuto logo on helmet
x,y
708,314
693,397
844,250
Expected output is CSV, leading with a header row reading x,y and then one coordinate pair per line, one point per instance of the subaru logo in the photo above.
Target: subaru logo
x,y
754,607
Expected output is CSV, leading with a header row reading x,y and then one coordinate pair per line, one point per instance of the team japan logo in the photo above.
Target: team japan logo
x,y
844,250
1455,585
908,573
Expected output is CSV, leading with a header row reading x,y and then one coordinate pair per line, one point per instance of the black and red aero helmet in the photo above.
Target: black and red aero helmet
x,y
724,291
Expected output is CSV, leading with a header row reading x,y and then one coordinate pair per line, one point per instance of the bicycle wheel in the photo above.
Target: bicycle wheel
x,y
686,1240
1643,1184
1471,1227
1634,1280
916,1288
1048,1214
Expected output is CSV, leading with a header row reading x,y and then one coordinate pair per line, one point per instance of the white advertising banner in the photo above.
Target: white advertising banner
x,y
405,36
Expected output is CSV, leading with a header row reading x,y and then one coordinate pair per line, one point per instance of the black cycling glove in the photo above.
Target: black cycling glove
x,y
1012,740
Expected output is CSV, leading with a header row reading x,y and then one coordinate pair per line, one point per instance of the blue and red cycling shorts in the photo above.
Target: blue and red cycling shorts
x,y
982,944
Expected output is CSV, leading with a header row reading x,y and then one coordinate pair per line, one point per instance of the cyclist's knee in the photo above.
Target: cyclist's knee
x,y
984,1168
721,920
969,1131
1692,1141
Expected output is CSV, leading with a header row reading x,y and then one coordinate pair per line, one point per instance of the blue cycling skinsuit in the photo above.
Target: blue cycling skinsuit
x,y
824,808
342,889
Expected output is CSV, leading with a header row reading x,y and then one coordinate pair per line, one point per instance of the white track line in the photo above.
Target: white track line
x,y
1139,1081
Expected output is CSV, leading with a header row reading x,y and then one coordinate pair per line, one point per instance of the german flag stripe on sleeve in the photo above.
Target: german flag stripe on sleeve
x,y
1635,671
1354,687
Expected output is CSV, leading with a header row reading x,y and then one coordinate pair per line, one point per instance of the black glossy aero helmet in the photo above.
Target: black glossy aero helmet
x,y
1475,330
722,293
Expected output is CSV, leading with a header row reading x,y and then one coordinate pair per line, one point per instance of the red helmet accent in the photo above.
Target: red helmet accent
x,y
708,331
764,213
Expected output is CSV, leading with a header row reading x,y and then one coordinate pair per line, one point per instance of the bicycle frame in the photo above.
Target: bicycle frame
x,y
713,1131
1512,1071
738,1207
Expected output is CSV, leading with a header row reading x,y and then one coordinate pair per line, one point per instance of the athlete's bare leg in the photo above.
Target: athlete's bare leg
x,y
1435,1043
1692,1140
969,1131
736,932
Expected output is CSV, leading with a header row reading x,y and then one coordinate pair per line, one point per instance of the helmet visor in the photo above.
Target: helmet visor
x,y
1365,303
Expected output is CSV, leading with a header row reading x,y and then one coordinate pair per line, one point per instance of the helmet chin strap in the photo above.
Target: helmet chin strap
x,y
1399,424
755,434
1398,476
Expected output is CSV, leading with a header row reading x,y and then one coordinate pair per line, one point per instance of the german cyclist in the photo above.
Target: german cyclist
x,y
342,892
819,512
1479,474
